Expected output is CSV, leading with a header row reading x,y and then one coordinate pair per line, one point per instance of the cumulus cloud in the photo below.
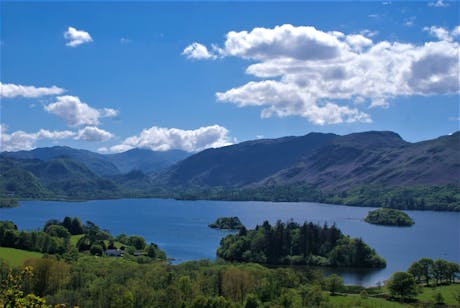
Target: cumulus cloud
x,y
20,140
92,133
75,112
76,37
164,139
9,90
198,51
443,34
323,76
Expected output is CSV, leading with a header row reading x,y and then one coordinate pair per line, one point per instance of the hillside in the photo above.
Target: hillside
x,y
106,164
376,158
325,161
98,163
242,164
55,178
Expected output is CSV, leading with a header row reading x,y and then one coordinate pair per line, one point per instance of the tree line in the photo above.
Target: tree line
x,y
292,243
55,238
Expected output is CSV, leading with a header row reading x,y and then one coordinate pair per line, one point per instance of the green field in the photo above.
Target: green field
x,y
449,293
357,301
16,257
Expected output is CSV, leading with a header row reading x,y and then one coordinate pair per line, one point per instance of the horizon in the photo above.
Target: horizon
x,y
76,74
196,152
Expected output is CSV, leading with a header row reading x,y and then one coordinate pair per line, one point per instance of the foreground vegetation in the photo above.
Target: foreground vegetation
x,y
389,217
294,244
117,282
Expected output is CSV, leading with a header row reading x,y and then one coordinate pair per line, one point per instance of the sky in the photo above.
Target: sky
x,y
111,76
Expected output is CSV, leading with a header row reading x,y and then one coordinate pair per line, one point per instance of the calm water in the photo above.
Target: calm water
x,y
180,227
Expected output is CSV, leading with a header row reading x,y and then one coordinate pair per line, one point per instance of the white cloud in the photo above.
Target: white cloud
x,y
20,140
443,34
302,43
9,90
164,139
92,133
198,51
109,112
75,112
368,33
438,3
358,42
76,37
320,75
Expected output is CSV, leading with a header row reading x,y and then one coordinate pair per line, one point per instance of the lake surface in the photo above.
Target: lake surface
x,y
181,227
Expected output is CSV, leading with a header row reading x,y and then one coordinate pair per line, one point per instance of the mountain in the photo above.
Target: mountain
x,y
106,164
54,178
96,162
146,160
327,162
377,158
242,164
18,182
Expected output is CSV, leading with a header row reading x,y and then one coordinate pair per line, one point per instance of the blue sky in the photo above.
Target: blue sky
x,y
123,76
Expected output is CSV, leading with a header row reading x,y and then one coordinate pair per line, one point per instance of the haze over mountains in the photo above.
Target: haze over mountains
x,y
106,164
327,162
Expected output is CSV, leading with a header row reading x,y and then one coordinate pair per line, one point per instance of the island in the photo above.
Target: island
x,y
389,217
291,243
227,223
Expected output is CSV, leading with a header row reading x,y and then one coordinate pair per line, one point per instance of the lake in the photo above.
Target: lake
x,y
181,227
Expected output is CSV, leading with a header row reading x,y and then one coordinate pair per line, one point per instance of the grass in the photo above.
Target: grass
x,y
357,301
16,257
449,293
74,239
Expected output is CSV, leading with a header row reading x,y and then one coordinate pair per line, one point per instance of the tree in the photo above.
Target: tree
x,y
58,231
440,271
333,283
236,284
402,285
416,269
137,242
312,295
438,298
96,250
252,302
426,266
152,251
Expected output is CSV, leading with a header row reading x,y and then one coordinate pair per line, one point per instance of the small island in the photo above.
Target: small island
x,y
227,223
389,217
294,244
